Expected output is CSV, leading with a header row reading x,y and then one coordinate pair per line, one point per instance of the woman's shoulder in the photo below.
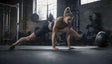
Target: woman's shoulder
x,y
59,18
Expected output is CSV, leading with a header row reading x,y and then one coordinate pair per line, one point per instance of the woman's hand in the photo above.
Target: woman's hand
x,y
56,49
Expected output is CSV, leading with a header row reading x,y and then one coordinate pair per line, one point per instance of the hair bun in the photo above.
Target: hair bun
x,y
67,12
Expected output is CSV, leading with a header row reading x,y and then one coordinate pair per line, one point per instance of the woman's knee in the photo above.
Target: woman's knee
x,y
28,38
74,33
22,38
25,38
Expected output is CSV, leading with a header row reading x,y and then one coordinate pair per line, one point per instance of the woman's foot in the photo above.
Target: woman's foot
x,y
70,48
56,49
12,47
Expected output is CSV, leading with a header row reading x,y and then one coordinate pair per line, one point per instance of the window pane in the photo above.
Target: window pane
x,y
83,1
52,7
88,1
42,8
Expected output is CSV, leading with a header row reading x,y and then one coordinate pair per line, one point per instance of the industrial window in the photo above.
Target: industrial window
x,y
44,8
87,1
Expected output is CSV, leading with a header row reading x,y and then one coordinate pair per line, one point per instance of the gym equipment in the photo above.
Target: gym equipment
x,y
101,39
22,10
35,16
17,23
93,27
6,24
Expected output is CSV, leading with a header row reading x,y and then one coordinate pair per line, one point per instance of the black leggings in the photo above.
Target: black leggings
x,y
43,30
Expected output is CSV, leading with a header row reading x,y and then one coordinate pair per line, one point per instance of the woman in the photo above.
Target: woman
x,y
61,24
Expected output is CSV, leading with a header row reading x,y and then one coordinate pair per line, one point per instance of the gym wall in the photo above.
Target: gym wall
x,y
104,7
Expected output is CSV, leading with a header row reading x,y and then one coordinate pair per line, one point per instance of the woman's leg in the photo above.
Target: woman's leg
x,y
44,29
74,33
28,38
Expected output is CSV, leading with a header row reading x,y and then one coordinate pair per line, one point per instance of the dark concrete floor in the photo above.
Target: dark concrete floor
x,y
45,55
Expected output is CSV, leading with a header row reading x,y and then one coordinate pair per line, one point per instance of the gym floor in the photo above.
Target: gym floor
x,y
45,55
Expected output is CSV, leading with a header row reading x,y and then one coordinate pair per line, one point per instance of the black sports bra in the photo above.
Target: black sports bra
x,y
52,24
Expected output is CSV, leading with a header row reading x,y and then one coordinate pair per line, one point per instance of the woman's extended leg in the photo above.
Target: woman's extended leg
x,y
28,38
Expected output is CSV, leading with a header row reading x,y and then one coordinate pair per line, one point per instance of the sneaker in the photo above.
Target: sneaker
x,y
71,48
12,47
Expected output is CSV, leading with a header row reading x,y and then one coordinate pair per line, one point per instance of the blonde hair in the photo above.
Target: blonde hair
x,y
67,12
